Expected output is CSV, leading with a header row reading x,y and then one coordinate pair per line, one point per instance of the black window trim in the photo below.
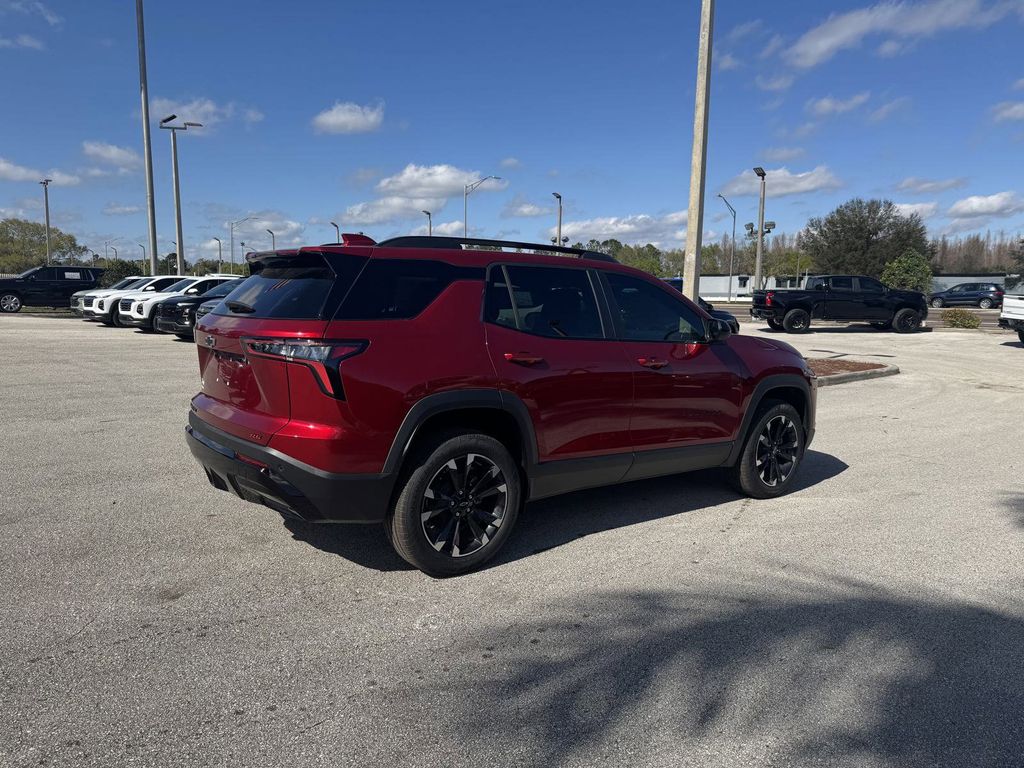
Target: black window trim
x,y
673,294
604,317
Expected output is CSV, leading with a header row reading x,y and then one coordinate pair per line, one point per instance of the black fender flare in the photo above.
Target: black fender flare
x,y
766,385
442,402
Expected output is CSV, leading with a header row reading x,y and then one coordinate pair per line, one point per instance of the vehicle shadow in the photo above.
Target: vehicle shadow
x,y
841,329
1017,344
1014,502
550,523
819,672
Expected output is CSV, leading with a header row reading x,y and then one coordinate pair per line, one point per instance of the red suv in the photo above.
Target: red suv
x,y
437,384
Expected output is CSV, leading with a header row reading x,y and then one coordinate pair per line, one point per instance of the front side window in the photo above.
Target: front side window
x,y
647,313
545,301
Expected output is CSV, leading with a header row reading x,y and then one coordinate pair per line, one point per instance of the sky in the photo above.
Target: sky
x,y
368,113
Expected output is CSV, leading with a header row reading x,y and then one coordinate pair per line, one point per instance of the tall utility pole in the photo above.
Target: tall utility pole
x,y
465,201
558,234
273,240
732,244
144,90
165,124
337,232
46,205
698,159
231,228
220,255
760,232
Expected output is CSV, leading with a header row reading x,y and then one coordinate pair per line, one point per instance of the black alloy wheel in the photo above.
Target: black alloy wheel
x,y
464,505
776,455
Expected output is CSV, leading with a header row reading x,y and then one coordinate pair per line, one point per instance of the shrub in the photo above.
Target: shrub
x,y
910,271
960,318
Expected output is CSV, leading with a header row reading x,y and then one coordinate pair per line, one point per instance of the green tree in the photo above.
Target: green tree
x,y
118,269
1017,266
23,246
910,271
861,237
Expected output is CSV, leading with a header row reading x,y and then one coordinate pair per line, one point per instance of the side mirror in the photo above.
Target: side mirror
x,y
819,286
708,306
718,330
192,291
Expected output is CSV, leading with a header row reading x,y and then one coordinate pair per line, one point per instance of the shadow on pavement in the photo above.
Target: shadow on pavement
x,y
550,523
840,675
1017,344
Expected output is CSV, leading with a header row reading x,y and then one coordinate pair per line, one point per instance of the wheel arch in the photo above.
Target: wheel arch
x,y
787,388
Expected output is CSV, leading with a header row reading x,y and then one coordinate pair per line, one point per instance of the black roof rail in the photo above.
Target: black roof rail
x,y
456,243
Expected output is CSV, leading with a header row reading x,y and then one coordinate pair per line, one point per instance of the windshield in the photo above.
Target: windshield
x,y
181,285
139,283
28,272
222,290
128,282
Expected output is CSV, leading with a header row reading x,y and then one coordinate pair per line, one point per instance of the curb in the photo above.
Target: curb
x,y
844,378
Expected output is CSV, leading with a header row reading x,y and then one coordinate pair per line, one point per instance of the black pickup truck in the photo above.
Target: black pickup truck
x,y
841,297
46,287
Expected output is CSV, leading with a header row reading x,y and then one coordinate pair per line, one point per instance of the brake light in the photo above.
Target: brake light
x,y
321,356
768,298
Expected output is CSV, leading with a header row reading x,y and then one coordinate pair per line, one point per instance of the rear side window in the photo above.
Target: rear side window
x,y
397,289
295,287
545,301
841,283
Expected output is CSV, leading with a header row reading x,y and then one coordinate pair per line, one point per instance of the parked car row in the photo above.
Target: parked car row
x,y
163,303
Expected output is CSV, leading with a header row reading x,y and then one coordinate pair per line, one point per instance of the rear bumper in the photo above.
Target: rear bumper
x,y
1012,323
291,488
762,313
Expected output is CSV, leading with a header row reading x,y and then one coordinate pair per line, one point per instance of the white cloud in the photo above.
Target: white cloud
x,y
203,110
744,30
11,172
446,229
348,117
924,210
116,209
122,157
251,116
1019,85
782,182
511,163
777,83
22,41
728,62
782,154
999,205
772,47
888,109
929,186
663,231
519,207
830,106
907,21
35,8
1008,110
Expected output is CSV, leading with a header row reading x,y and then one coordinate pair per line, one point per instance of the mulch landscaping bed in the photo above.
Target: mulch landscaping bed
x,y
830,366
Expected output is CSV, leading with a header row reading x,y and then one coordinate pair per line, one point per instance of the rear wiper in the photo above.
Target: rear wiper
x,y
239,306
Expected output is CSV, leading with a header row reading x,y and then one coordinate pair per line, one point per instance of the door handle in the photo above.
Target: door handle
x,y
652,362
523,358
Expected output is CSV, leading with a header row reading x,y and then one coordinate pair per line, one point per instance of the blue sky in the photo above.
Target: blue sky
x,y
366,113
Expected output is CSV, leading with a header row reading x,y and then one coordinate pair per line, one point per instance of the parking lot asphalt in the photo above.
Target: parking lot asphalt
x,y
874,617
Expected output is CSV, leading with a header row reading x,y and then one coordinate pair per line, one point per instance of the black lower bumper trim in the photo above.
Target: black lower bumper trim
x,y
172,326
290,487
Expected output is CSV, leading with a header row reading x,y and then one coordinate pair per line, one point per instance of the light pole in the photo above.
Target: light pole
x,y
143,252
430,223
115,252
220,254
337,231
164,124
107,246
558,234
146,149
760,230
46,205
231,228
699,154
732,246
465,201
273,240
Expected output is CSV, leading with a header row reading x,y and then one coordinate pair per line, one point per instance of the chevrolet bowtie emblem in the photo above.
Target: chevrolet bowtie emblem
x,y
210,341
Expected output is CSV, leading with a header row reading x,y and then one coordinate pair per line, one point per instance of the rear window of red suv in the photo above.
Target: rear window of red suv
x,y
293,287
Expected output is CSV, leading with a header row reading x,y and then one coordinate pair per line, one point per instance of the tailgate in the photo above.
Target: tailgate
x,y
1013,306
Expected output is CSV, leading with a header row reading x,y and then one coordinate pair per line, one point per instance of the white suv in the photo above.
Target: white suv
x,y
137,309
105,303
79,298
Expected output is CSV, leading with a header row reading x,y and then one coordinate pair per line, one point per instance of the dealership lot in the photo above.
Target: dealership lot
x,y
873,617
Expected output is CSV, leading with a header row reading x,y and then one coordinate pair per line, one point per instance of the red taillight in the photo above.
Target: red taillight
x,y
999,293
321,356
768,298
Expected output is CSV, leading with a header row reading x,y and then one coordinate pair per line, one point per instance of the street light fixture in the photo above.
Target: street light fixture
x,y
337,231
107,246
46,205
143,253
465,201
165,125
760,230
220,254
273,240
732,247
558,233
115,252
430,223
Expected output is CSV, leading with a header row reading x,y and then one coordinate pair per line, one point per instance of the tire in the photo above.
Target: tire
x,y
907,320
431,539
882,326
1020,335
10,303
938,303
797,321
764,471
774,324
985,303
